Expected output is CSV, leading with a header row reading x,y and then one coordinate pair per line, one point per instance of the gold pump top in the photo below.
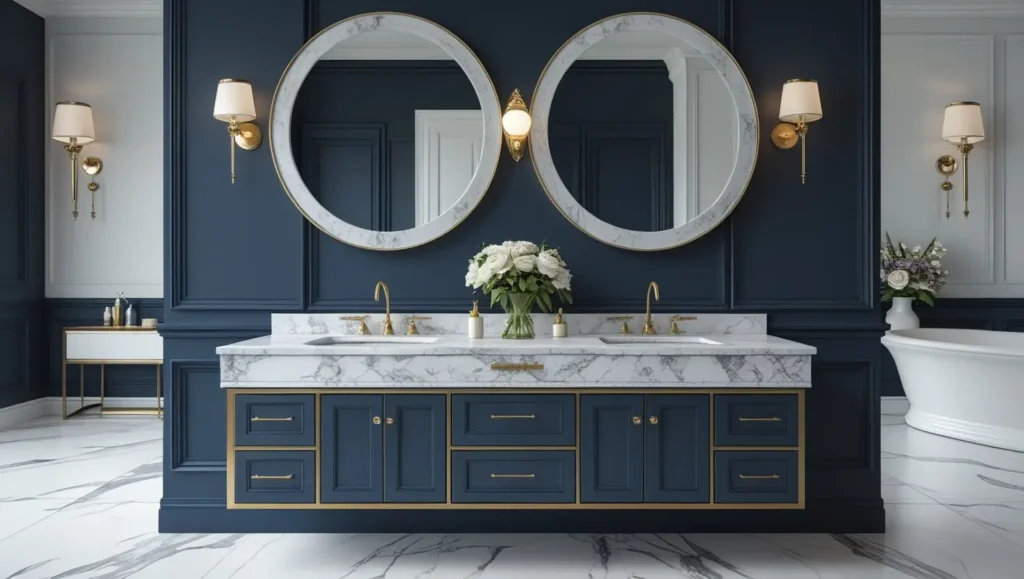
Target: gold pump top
x,y
475,312
558,318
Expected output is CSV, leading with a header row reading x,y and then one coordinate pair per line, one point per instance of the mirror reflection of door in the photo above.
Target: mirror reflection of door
x,y
643,131
388,131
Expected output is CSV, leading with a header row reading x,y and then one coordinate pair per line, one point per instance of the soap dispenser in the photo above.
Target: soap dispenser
x,y
559,329
476,323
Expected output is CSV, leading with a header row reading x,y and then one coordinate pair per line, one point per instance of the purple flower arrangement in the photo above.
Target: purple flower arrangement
x,y
912,272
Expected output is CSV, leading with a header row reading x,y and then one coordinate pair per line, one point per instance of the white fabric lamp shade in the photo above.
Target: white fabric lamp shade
x,y
72,120
800,102
516,122
963,121
234,101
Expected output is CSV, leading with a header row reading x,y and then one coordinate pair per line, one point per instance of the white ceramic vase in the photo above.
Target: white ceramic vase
x,y
901,315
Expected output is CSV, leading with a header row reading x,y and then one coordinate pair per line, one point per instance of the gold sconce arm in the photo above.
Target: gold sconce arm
x,y
92,166
73,149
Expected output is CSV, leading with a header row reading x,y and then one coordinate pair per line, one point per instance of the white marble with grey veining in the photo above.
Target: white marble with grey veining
x,y
107,530
588,324
742,356
281,130
747,136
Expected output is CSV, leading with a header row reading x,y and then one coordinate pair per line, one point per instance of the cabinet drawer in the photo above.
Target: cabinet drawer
x,y
275,420
756,476
513,476
513,419
756,420
275,476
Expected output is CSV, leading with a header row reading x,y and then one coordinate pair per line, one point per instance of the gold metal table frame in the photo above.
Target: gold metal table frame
x,y
157,411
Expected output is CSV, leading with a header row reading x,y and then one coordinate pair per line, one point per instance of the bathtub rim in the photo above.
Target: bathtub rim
x,y
905,338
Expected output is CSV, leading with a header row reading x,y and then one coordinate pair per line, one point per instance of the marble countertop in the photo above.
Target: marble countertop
x,y
456,345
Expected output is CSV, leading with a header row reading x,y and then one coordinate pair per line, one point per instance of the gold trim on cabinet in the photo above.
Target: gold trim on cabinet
x,y
448,449
270,419
529,475
513,416
527,367
577,505
772,419
316,449
759,476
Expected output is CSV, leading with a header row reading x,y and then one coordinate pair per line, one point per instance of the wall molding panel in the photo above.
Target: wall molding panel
x,y
185,457
13,274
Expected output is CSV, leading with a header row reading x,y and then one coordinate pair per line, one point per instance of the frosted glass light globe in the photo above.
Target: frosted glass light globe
x,y
516,123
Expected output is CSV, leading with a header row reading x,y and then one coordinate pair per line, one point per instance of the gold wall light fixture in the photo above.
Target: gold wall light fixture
x,y
73,126
516,123
234,105
92,166
962,125
946,165
800,104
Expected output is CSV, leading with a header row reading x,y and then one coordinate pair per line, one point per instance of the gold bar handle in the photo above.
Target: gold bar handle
x,y
513,416
531,475
528,367
759,476
270,419
272,477
772,419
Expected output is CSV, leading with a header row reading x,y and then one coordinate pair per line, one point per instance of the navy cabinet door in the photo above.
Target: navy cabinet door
x,y
415,455
612,448
678,448
352,448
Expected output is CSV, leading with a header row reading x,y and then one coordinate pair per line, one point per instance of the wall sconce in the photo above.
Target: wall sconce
x,y
800,105
72,125
235,106
962,126
516,123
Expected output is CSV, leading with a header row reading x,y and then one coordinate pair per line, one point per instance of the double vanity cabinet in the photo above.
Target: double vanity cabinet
x,y
538,449
320,417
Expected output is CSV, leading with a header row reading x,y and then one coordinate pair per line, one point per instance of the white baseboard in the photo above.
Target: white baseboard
x,y
19,413
895,405
53,403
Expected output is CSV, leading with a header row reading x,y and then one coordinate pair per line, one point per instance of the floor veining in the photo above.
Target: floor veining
x,y
79,499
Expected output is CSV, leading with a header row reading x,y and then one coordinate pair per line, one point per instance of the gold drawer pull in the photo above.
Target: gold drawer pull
x,y
772,419
517,367
272,477
513,416
270,419
513,475
759,476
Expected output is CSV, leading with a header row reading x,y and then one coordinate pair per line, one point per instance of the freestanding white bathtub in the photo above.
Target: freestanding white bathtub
x,y
965,384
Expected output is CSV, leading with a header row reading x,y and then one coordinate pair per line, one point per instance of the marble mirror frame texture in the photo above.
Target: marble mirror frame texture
x,y
281,126
747,126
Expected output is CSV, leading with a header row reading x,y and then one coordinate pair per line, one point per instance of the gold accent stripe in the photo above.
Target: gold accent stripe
x,y
772,419
517,367
513,416
506,448
759,476
270,419
273,448
530,475
272,477
778,448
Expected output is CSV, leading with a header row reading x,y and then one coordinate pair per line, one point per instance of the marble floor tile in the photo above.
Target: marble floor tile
x,y
108,541
1003,519
19,514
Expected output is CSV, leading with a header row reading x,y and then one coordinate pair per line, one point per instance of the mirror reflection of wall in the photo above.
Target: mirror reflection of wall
x,y
387,131
643,131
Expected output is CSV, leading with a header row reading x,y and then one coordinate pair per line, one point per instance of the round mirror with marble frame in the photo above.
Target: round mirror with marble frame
x,y
747,128
281,126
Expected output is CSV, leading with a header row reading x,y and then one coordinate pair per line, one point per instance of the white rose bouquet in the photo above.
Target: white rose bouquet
x,y
516,275
912,272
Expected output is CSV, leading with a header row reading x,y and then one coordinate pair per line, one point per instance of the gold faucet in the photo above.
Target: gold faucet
x,y
624,330
413,330
648,324
363,330
388,330
675,331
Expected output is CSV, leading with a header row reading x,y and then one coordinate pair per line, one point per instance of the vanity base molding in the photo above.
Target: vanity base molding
x,y
655,450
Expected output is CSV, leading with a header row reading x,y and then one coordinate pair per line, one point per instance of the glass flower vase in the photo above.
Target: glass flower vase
x,y
519,325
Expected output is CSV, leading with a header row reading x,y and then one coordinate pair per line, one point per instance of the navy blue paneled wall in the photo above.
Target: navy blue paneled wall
x,y
22,103
804,254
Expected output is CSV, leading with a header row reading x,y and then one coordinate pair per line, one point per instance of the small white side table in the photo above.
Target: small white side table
x,y
103,345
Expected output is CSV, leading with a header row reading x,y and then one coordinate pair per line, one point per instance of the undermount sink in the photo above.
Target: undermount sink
x,y
644,340
368,340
